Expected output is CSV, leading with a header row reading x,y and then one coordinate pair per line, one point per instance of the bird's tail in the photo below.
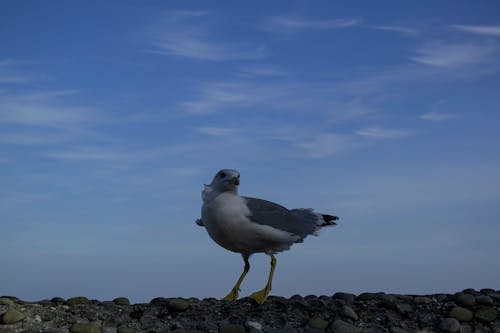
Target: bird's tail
x,y
328,220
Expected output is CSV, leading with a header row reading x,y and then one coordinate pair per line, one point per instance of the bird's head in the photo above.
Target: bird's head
x,y
226,180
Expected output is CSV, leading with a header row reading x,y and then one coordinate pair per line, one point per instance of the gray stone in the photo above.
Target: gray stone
x,y
461,314
12,316
254,330
6,301
316,322
85,328
348,298
121,301
495,296
465,300
450,325
395,329
178,304
232,328
486,314
57,300
253,324
347,312
340,326
422,300
366,297
484,300
77,300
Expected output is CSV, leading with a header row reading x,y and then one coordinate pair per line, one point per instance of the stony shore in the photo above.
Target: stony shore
x,y
466,311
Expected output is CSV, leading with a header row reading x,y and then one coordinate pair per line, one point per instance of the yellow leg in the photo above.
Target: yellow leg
x,y
261,296
233,294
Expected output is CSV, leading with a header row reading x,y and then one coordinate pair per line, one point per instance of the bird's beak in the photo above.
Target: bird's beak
x,y
236,181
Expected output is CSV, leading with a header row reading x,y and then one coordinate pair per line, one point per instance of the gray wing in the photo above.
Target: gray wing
x,y
301,222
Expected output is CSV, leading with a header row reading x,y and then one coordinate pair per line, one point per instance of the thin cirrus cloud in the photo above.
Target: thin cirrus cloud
x,y
437,116
184,34
451,55
487,30
289,23
219,131
377,132
396,29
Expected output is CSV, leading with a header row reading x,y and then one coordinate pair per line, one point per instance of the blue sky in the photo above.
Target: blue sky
x,y
113,114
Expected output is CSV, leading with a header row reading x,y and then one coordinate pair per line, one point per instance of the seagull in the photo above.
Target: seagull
x,y
250,225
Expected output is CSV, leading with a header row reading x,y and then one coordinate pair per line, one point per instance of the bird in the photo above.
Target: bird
x,y
248,225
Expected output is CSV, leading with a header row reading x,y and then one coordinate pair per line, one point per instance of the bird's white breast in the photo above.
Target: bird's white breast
x,y
225,218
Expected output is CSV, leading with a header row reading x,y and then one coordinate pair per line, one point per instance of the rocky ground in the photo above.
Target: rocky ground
x,y
466,311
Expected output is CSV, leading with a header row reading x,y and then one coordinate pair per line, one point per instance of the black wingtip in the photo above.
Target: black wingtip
x,y
329,219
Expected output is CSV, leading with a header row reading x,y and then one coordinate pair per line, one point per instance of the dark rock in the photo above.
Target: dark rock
x,y
125,329
12,316
340,326
77,300
121,301
484,300
85,328
395,329
178,304
348,298
486,314
57,300
365,297
232,328
461,314
347,312
422,300
465,300
487,291
317,322
450,325
470,291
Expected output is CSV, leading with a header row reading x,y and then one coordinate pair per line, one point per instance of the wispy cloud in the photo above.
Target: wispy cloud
x,y
219,131
8,74
43,109
377,132
488,30
396,29
183,33
262,71
327,144
437,114
442,54
290,23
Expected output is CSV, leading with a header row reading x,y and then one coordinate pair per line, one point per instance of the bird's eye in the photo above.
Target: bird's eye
x,y
222,175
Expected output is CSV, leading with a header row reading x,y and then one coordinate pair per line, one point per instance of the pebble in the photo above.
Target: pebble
x,y
253,324
461,314
395,329
484,300
366,297
121,301
465,300
348,298
340,326
316,322
422,300
12,316
77,300
178,304
347,312
57,300
125,329
486,314
450,325
6,301
85,328
232,328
